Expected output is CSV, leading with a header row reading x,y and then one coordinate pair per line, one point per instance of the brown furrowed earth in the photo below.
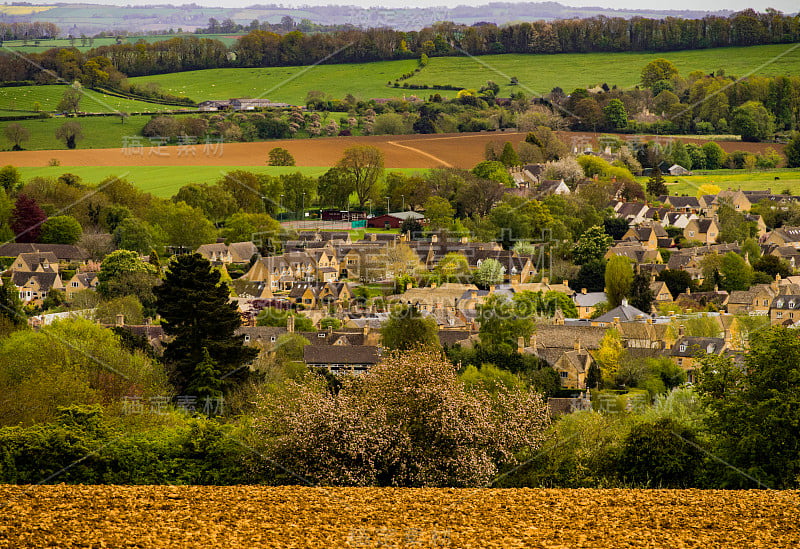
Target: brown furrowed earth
x,y
462,150
253,516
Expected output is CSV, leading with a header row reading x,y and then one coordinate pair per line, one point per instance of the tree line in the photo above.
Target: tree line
x,y
260,48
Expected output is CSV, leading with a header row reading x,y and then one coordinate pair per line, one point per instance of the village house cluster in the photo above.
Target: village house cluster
x,y
326,274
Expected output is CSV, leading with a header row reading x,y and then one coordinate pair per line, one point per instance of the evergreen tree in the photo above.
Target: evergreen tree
x,y
205,381
655,183
593,376
195,310
509,156
641,295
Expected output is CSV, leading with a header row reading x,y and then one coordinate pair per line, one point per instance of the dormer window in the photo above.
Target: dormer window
x,y
683,347
791,304
779,303
710,348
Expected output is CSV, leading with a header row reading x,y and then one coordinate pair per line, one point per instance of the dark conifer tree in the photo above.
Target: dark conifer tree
x,y
195,310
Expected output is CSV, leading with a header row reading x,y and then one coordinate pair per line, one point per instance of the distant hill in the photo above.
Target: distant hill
x,y
90,19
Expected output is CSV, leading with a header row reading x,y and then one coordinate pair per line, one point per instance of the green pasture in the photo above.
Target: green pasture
x,y
541,73
165,181
285,84
536,73
100,132
24,98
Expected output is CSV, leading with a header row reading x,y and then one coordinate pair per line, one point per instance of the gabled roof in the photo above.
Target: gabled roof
x,y
44,280
589,299
624,312
690,346
64,252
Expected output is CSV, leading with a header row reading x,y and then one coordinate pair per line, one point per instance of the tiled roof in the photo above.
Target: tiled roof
x,y
345,354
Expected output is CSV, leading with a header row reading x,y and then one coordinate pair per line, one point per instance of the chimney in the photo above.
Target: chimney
x,y
373,237
520,344
290,323
366,329
652,276
464,239
649,320
409,286
577,344
545,280
491,288
120,320
688,291
583,291
616,320
433,285
624,302
434,238
716,288
680,330
565,283
330,330
473,294
533,341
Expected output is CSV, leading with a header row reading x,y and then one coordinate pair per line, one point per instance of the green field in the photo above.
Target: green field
x,y
23,98
284,84
164,181
748,181
536,73
44,45
99,132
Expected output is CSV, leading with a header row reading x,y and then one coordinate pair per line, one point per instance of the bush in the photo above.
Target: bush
x,y
663,454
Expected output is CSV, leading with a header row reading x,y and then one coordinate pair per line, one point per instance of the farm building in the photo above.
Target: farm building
x,y
393,220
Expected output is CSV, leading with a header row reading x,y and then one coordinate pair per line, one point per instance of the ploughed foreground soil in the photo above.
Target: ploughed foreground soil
x,y
460,150
253,516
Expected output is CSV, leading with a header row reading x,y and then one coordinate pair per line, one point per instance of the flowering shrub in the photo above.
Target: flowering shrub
x,y
409,421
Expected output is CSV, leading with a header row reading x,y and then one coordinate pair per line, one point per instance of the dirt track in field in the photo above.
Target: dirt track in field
x,y
257,516
462,150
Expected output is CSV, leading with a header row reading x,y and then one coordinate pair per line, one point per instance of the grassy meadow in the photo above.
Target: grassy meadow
x,y
25,98
285,84
536,73
99,132
165,181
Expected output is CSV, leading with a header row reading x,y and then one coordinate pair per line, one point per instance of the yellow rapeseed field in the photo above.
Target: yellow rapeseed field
x,y
255,516
23,10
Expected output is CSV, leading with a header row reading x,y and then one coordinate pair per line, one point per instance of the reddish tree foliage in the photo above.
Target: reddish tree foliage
x,y
26,219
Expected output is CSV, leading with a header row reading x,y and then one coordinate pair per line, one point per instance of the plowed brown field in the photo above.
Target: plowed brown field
x,y
462,150
254,517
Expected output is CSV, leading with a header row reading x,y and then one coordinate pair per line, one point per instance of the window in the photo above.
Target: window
x,y
779,315
791,304
564,375
246,338
691,234
321,334
74,284
272,339
683,347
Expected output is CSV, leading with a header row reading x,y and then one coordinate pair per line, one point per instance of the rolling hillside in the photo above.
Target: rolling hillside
x,y
536,73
